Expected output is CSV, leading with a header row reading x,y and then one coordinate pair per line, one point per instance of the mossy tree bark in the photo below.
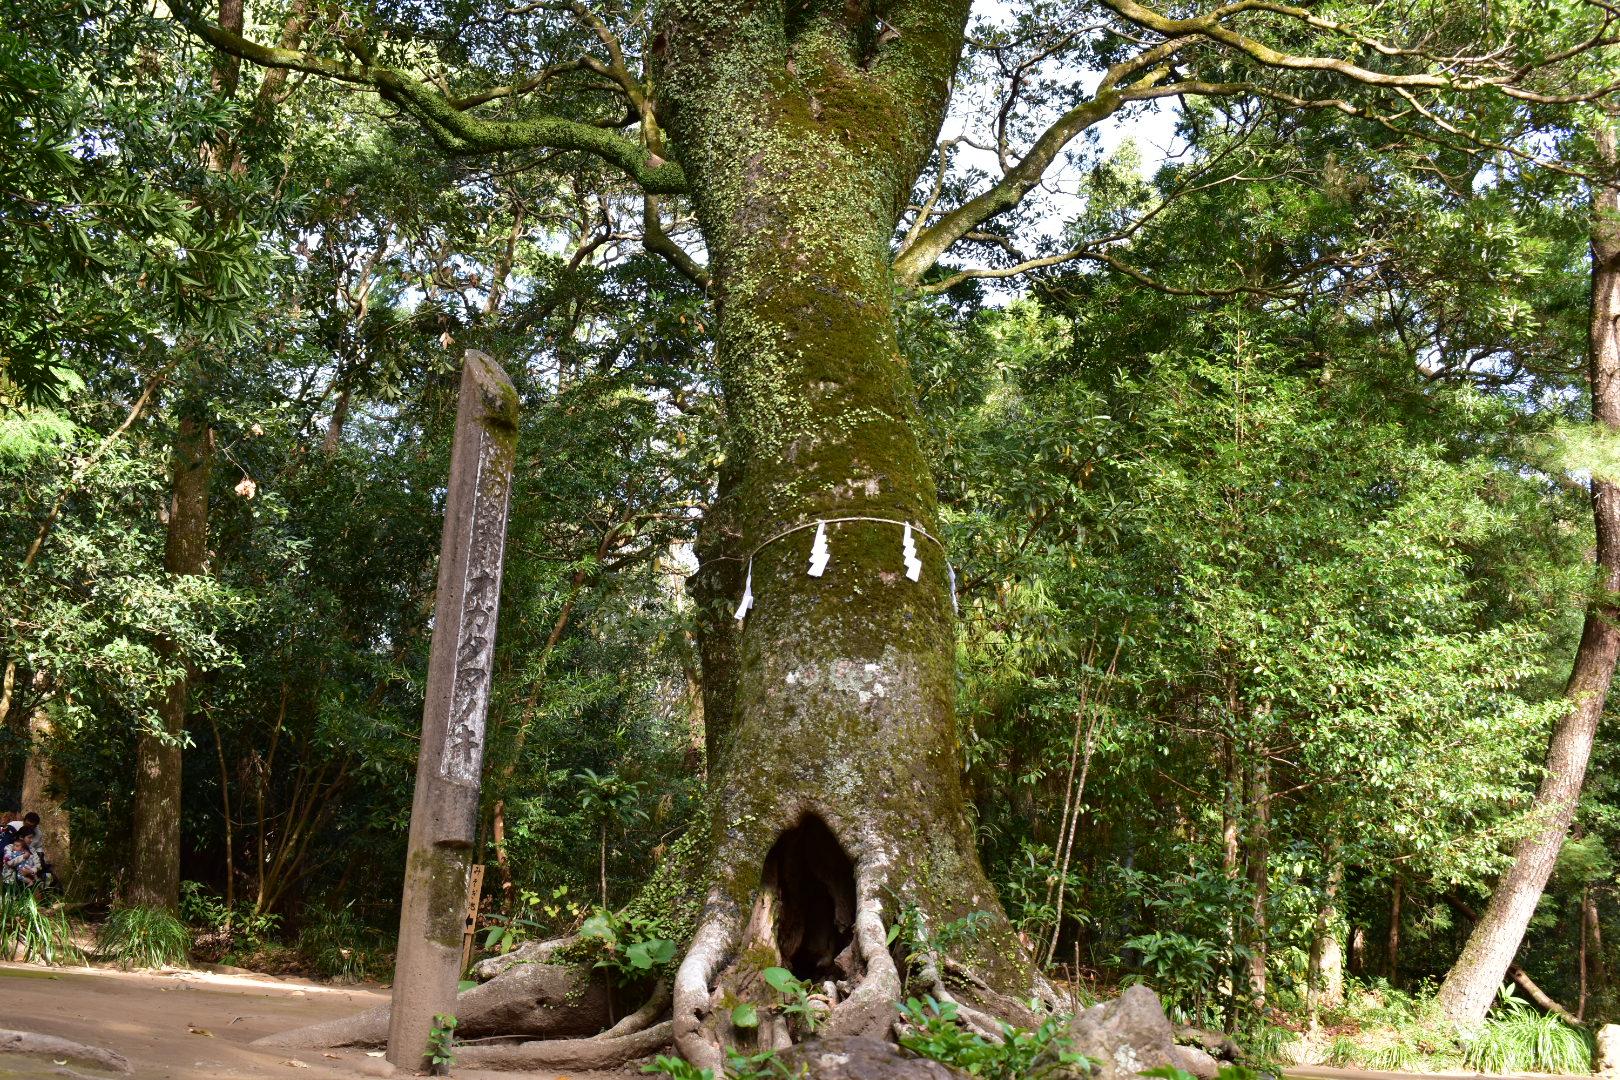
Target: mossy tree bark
x,y
802,140
1470,986
154,879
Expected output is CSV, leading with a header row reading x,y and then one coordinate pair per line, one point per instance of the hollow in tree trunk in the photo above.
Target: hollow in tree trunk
x,y
1470,986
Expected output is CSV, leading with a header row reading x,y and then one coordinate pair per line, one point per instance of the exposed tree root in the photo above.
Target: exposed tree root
x,y
532,952
716,937
978,1022
821,916
869,1008
548,1000
598,1052
28,1042
655,1009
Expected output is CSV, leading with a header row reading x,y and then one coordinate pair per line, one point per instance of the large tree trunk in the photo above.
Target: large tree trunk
x,y
1471,985
155,854
835,774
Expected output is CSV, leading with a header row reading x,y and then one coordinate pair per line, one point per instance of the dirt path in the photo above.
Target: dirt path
x,y
193,1025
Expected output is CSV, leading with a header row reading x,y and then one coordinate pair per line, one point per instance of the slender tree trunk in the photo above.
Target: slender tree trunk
x,y
1392,943
1258,856
1580,1001
332,442
503,862
1594,938
1326,979
1470,986
155,853
1231,841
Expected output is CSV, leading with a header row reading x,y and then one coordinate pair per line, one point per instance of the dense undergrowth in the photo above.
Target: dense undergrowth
x,y
1386,1029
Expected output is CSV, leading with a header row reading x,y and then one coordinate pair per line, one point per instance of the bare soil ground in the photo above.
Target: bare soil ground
x,y
193,1025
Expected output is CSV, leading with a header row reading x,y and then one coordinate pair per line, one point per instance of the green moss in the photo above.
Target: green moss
x,y
441,871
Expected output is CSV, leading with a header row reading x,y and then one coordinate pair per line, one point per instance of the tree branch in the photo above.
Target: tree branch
x,y
457,130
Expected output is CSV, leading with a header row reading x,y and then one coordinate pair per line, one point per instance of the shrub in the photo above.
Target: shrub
x,y
143,937
339,947
933,1032
222,932
36,932
1519,1039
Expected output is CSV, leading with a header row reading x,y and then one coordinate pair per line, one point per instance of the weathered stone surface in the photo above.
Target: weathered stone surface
x,y
1217,1044
444,808
1196,1061
1606,1063
860,1058
1126,1036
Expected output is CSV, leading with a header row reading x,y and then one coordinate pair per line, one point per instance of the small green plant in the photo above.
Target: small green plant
x,y
143,937
33,930
534,915
441,1050
676,1068
909,927
933,1031
802,1012
1519,1039
763,1066
626,945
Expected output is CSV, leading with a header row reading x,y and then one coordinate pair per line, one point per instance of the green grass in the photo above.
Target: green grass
x,y
1519,1039
140,937
38,933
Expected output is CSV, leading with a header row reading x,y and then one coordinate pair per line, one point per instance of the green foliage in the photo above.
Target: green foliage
x,y
224,932
802,1012
40,932
763,1066
1517,1038
441,1048
143,937
1391,1030
627,946
339,947
933,1031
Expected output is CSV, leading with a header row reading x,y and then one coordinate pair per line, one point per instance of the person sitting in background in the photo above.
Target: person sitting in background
x,y
19,863
36,842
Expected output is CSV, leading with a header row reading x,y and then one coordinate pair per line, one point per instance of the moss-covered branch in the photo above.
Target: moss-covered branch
x,y
458,129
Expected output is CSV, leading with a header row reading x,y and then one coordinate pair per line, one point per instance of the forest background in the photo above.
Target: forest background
x,y
1262,469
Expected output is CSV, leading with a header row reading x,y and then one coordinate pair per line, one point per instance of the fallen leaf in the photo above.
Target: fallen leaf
x,y
295,1063
334,1057
201,1031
